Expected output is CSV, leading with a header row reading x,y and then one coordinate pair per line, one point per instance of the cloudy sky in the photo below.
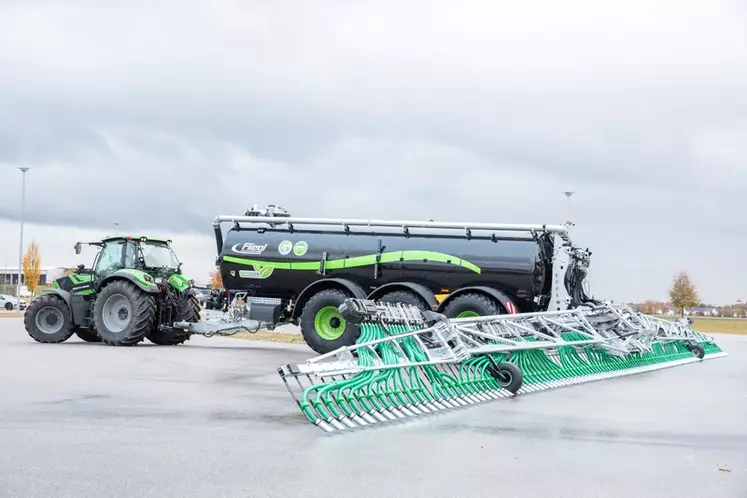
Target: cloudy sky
x,y
161,115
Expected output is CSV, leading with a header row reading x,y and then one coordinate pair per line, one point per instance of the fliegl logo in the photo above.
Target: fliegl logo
x,y
249,248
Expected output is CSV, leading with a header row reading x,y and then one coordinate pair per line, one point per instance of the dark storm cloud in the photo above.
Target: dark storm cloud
x,y
162,116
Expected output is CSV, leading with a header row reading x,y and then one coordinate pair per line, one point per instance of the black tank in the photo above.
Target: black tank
x,y
280,263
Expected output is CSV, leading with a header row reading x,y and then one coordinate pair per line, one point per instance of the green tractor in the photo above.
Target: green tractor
x,y
135,290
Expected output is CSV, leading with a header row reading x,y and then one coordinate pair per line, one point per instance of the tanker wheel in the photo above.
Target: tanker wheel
x,y
322,326
404,297
471,305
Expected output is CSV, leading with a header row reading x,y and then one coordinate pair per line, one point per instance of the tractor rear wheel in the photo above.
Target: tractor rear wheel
x,y
187,309
323,327
123,313
88,335
48,319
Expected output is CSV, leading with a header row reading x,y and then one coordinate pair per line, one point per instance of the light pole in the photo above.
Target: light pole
x,y
116,228
20,242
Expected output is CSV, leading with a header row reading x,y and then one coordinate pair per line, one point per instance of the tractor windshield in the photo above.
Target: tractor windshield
x,y
158,255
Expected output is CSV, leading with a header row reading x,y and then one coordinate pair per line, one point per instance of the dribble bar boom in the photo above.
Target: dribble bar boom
x,y
408,362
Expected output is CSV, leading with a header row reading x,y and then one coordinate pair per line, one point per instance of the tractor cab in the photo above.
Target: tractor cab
x,y
149,255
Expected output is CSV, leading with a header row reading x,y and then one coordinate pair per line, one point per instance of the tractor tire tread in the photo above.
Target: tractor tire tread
x,y
87,335
33,308
187,309
143,310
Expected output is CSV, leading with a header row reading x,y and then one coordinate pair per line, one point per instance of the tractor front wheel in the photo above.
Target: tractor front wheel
x,y
48,319
187,309
123,313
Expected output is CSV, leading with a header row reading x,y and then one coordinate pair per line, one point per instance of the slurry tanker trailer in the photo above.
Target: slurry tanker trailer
x,y
416,317
300,270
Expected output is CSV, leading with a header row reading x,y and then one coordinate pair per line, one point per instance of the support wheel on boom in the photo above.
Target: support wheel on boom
x,y
123,313
323,327
48,319
698,351
187,309
508,375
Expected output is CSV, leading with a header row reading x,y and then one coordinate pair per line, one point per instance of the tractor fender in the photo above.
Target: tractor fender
x,y
499,296
320,285
420,290
65,295
181,284
137,277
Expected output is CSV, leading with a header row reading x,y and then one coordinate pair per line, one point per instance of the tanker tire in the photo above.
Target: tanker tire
x,y
404,297
475,302
322,302
88,335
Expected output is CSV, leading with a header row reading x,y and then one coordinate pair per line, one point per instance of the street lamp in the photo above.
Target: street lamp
x,y
20,242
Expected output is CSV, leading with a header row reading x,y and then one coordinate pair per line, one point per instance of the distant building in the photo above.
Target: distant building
x,y
9,276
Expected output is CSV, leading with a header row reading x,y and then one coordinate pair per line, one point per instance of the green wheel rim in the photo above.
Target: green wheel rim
x,y
467,314
329,323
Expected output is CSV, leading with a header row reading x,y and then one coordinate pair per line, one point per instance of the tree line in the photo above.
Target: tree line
x,y
683,295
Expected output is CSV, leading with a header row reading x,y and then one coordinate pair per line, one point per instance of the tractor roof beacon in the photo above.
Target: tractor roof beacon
x,y
134,290
279,269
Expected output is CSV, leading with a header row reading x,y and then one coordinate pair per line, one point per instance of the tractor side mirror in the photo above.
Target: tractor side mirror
x,y
77,248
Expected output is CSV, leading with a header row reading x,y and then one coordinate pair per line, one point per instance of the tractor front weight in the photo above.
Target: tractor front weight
x,y
409,362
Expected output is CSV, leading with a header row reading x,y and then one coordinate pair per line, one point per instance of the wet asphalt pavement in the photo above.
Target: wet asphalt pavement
x,y
213,419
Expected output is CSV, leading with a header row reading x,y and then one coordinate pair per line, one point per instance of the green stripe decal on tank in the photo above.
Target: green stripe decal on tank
x,y
368,260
